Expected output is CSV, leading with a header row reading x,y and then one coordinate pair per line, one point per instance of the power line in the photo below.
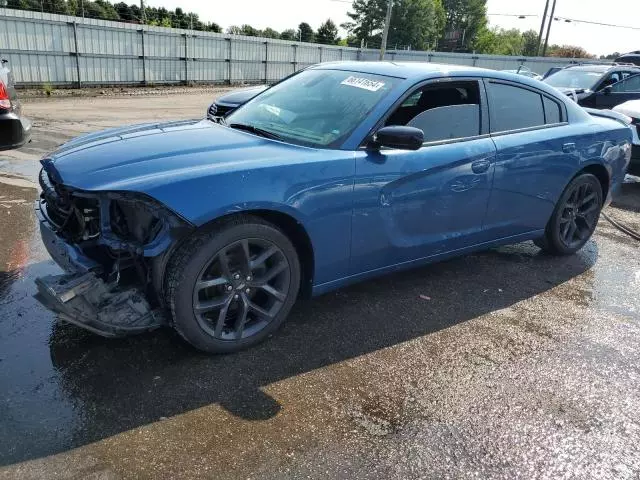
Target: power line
x,y
504,14
574,20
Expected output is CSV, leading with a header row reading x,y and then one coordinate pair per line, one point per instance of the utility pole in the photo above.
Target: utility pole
x,y
544,17
82,7
143,14
385,32
546,40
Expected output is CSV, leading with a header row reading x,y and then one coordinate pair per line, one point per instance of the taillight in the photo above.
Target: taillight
x,y
5,102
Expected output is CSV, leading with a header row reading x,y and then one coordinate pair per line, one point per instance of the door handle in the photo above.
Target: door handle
x,y
480,166
569,147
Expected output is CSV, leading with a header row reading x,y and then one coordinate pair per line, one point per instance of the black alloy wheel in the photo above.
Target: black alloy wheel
x,y
575,216
231,286
242,289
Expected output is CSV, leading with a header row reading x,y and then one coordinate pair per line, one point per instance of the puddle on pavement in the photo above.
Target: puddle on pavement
x,y
63,388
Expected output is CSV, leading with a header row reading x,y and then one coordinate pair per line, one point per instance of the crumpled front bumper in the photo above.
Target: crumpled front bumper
x,y
69,257
88,302
82,298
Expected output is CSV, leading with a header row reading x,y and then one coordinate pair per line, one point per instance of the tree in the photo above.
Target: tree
x,y
367,19
497,41
305,32
270,33
109,13
327,33
234,30
124,11
530,43
249,31
416,24
289,34
568,51
611,56
466,18
212,27
55,6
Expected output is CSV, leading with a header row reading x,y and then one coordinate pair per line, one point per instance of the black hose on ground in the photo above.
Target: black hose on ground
x,y
623,228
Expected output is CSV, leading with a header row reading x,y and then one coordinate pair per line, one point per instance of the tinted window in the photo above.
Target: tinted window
x,y
552,111
317,107
631,84
512,108
443,112
570,78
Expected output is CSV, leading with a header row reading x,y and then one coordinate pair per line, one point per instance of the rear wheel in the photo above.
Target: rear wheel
x,y
575,216
231,287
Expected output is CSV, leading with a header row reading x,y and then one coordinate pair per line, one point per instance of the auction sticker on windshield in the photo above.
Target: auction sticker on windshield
x,y
364,83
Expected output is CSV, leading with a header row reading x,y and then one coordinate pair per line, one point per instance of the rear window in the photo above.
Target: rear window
x,y
513,108
552,111
570,78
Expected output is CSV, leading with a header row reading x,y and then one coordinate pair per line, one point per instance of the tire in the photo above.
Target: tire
x,y
232,286
575,217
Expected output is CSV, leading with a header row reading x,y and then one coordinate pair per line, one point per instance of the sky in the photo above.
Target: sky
x,y
284,14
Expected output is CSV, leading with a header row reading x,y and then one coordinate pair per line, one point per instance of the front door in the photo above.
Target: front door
x,y
415,204
623,91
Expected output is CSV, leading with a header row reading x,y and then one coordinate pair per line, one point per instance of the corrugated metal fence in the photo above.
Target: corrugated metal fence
x,y
63,50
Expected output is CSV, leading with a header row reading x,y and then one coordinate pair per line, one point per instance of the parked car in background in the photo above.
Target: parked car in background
x,y
632,110
341,173
551,71
631,57
526,72
15,130
596,86
227,103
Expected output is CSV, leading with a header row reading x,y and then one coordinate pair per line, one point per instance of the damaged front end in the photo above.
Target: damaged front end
x,y
114,247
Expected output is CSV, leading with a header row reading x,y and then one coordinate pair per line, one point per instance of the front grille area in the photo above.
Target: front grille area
x,y
217,110
74,218
55,199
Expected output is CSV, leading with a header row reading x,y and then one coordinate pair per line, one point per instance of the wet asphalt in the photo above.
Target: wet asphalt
x,y
503,364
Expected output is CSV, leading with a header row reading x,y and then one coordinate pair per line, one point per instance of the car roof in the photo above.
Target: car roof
x,y
600,68
416,70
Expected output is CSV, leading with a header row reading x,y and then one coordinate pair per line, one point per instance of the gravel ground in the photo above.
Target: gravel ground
x,y
503,364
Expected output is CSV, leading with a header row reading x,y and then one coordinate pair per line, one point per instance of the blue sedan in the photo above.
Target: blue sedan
x,y
340,173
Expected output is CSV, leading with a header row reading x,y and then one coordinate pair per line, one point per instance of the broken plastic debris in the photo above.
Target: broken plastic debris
x,y
424,297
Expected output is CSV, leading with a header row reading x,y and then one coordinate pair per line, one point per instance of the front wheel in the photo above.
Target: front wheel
x,y
575,217
231,287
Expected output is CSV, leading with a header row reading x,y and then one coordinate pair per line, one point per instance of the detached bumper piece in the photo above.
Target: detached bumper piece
x,y
88,302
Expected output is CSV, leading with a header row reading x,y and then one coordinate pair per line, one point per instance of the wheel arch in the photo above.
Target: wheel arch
x,y
601,173
289,225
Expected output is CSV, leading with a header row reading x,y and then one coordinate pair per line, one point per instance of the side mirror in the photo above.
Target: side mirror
x,y
607,90
400,137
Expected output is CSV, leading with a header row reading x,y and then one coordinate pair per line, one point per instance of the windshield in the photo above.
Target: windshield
x,y
574,79
314,108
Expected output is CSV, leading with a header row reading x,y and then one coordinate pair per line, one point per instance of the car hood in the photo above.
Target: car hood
x,y
241,96
630,108
574,93
136,157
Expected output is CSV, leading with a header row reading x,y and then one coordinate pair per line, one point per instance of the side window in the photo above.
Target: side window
x,y
552,111
445,111
631,84
611,79
512,108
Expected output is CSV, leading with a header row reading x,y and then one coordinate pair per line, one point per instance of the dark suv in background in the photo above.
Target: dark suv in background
x,y
15,130
631,57
597,86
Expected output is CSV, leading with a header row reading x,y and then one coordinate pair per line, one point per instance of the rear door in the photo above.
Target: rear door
x,y
623,91
534,157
